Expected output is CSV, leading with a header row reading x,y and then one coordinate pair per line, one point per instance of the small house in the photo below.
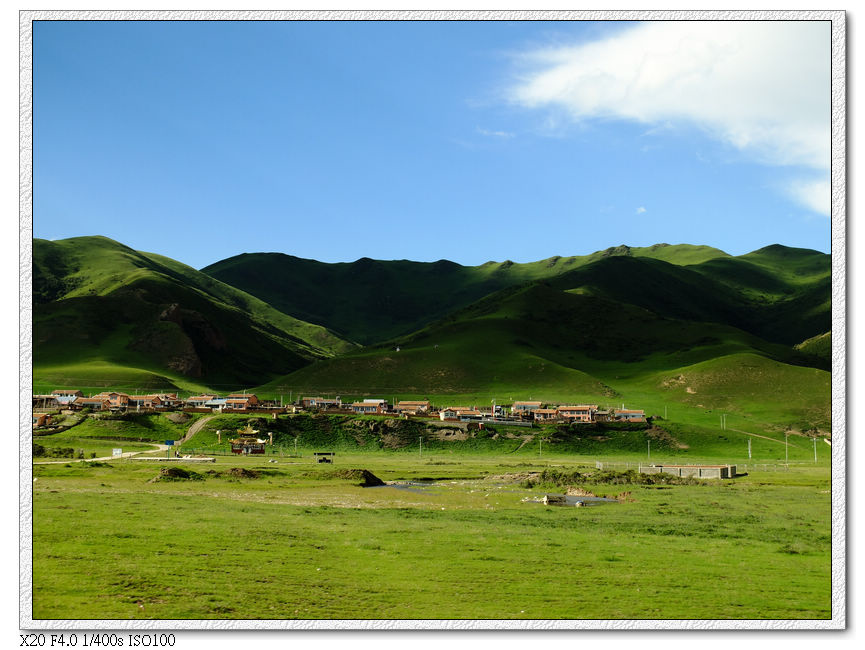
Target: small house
x,y
543,415
41,419
198,401
519,408
370,407
320,402
578,413
412,407
629,415
248,399
95,403
67,392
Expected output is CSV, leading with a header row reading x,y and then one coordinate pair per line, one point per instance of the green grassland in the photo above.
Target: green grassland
x,y
303,541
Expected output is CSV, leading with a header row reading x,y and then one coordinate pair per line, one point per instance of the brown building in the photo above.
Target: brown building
x,y
545,414
578,413
370,407
412,407
629,415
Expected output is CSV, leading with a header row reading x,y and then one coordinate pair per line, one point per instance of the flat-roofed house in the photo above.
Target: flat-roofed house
x,y
41,419
216,404
545,414
240,402
250,399
629,415
198,401
320,402
578,413
460,413
451,412
97,403
169,400
144,402
369,407
518,408
469,414
412,407
115,400
67,392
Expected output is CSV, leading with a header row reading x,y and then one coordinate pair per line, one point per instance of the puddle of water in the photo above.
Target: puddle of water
x,y
408,486
574,500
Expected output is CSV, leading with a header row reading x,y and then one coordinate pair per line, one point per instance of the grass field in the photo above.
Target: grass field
x,y
301,542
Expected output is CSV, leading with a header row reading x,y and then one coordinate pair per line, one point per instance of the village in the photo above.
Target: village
x,y
519,413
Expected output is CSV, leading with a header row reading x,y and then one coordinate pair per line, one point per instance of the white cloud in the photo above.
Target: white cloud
x,y
496,134
640,210
761,86
815,195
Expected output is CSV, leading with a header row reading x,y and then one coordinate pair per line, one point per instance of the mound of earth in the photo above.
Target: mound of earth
x,y
240,472
514,478
364,477
576,491
177,417
176,474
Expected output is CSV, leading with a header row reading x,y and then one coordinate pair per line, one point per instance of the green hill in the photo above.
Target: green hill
x,y
537,341
103,310
370,301
780,294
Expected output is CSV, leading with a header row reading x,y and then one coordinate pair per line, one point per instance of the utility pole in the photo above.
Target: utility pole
x,y
649,449
420,448
540,446
749,449
786,450
815,449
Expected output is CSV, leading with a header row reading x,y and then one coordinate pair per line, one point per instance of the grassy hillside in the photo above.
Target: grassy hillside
x,y
780,294
535,341
370,301
101,308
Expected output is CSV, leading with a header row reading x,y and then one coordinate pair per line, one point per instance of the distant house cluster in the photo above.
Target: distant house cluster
x,y
107,401
113,401
523,413
537,412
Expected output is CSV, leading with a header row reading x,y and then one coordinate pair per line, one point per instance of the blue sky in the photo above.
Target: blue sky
x,y
469,141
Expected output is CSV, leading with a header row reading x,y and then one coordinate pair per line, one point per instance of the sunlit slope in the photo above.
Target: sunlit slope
x,y
533,340
818,346
100,304
764,389
373,300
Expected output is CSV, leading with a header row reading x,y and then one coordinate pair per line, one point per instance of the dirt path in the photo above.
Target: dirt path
x,y
197,426
526,440
757,435
126,454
